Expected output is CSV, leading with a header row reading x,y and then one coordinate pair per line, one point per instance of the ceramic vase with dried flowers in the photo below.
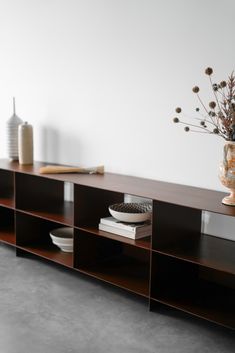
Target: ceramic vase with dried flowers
x,y
218,118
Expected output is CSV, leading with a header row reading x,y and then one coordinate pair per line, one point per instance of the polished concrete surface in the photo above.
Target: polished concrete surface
x,y
46,309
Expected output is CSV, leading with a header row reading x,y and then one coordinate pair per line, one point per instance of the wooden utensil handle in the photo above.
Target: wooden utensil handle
x,y
54,169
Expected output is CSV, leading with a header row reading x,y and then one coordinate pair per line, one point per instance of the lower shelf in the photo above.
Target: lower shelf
x,y
51,253
112,261
203,292
7,228
123,272
205,300
33,236
7,201
7,235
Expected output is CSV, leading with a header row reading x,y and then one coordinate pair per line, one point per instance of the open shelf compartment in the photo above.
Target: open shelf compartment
x,y
177,233
144,243
43,197
197,290
114,262
7,188
204,250
7,227
33,236
91,204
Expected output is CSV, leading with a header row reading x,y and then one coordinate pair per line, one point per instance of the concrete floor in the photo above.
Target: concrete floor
x,y
46,309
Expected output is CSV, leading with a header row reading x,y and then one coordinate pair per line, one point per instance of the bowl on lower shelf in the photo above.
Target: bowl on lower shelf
x,y
131,212
63,238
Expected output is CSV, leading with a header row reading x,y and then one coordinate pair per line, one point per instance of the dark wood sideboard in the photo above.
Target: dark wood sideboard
x,y
177,266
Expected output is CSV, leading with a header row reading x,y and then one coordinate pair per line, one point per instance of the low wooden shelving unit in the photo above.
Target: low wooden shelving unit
x,y
177,266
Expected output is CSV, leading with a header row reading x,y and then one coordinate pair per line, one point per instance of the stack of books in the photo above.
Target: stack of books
x,y
128,230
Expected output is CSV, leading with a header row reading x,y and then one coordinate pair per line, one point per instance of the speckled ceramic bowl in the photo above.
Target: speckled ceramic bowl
x,y
131,212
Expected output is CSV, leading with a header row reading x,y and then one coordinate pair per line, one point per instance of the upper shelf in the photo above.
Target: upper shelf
x,y
202,199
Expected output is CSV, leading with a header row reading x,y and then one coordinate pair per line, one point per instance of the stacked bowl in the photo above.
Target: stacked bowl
x,y
63,238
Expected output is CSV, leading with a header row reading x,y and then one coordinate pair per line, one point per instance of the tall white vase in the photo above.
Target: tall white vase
x,y
12,134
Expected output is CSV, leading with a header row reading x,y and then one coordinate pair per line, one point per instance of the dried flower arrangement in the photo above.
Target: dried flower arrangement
x,y
219,117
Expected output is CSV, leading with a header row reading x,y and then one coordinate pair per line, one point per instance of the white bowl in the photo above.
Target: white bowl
x,y
131,212
63,238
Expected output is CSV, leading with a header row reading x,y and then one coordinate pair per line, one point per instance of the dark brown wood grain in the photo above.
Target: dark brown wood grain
x,y
172,224
7,230
144,243
194,197
36,193
61,213
32,235
51,253
185,286
206,250
7,235
91,204
113,262
7,188
178,266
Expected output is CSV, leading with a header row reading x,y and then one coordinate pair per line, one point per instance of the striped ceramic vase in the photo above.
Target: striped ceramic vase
x,y
12,135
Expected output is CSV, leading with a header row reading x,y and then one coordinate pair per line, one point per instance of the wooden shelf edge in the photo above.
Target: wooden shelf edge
x,y
177,194
7,236
200,316
165,253
41,253
51,219
7,205
203,261
8,242
100,278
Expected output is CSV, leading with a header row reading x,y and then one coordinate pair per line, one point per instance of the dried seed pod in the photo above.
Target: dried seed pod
x,y
212,105
176,120
215,131
196,89
197,109
223,84
202,123
178,110
186,128
209,71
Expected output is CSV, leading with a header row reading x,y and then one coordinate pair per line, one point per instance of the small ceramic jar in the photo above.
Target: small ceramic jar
x,y
25,139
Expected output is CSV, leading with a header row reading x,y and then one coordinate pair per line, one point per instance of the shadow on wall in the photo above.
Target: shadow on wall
x,y
71,149
49,143
58,148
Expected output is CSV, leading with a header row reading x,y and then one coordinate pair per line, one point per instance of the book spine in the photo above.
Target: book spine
x,y
118,225
122,232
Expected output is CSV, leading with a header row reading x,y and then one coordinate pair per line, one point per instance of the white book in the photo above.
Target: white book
x,y
134,228
124,232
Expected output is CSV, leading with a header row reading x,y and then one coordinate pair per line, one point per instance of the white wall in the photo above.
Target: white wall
x,y
99,81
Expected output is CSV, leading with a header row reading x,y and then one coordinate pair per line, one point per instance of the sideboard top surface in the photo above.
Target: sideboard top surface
x,y
189,196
